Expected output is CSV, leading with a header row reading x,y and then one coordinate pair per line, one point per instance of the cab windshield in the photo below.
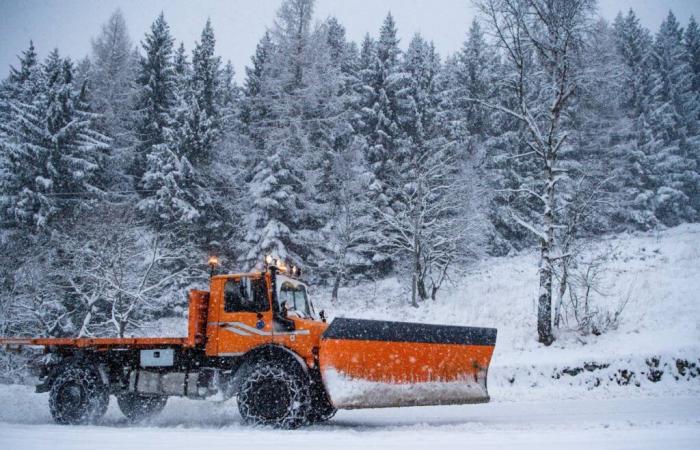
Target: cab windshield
x,y
292,293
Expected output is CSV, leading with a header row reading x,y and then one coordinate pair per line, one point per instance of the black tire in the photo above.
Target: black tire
x,y
138,407
321,409
273,395
78,396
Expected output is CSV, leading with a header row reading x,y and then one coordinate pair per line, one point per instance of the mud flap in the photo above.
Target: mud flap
x,y
373,364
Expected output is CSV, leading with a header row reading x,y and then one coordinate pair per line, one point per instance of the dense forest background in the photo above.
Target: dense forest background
x,y
121,172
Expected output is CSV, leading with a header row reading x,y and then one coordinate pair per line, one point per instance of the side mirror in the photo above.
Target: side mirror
x,y
283,309
322,315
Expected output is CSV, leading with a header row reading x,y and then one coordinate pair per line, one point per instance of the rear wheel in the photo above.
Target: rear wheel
x,y
273,395
138,407
78,396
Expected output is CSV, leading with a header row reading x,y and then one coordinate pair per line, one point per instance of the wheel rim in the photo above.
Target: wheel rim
x,y
72,401
270,399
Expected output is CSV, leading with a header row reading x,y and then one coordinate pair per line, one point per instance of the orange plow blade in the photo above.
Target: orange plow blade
x,y
373,364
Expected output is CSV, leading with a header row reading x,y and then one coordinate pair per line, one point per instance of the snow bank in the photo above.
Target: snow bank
x,y
659,271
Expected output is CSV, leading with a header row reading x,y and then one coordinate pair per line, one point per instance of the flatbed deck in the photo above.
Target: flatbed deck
x,y
99,343
197,321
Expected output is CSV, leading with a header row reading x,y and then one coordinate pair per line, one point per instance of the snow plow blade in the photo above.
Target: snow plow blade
x,y
374,364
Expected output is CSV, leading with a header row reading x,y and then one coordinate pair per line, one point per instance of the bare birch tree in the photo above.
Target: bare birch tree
x,y
428,225
116,273
542,42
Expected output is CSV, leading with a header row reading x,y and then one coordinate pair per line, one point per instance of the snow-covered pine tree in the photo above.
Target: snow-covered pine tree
x,y
425,225
381,111
255,109
175,197
383,81
53,148
633,43
280,214
22,83
477,65
330,96
112,71
634,48
155,96
692,46
343,246
21,86
297,91
229,98
204,121
488,138
674,129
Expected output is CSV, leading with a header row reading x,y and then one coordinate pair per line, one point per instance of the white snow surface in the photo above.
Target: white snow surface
x,y
631,423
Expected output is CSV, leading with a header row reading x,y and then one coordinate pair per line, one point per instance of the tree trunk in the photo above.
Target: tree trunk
x,y
414,280
422,293
336,286
562,290
544,303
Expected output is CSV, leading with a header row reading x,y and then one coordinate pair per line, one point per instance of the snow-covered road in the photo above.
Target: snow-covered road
x,y
638,423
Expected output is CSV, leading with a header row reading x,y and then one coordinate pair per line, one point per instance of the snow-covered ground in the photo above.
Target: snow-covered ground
x,y
637,386
660,274
640,423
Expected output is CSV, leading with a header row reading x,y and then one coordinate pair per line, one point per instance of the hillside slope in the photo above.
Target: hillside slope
x,y
658,331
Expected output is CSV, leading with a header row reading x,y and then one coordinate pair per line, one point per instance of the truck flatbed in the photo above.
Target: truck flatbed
x,y
97,343
196,334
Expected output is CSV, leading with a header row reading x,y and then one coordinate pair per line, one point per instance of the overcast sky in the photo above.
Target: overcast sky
x,y
239,24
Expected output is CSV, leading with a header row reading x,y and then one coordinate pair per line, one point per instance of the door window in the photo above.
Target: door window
x,y
245,295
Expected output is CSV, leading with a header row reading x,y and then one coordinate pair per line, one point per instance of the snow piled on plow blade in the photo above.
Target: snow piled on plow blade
x,y
349,393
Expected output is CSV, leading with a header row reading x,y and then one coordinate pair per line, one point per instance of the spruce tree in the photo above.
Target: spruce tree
x,y
204,122
381,115
633,44
254,109
155,96
674,134
111,74
20,86
281,215
54,149
692,45
173,194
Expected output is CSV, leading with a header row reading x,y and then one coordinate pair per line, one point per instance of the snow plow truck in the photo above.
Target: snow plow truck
x,y
256,336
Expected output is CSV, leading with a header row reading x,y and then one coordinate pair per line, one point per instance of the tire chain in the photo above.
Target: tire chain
x,y
298,390
90,382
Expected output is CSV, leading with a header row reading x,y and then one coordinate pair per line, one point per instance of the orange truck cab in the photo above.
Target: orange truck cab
x,y
256,336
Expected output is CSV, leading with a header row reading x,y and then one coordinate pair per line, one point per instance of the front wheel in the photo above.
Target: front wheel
x,y
273,395
321,408
138,407
78,396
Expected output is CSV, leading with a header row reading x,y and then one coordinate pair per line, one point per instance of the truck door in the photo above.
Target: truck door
x,y
245,319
